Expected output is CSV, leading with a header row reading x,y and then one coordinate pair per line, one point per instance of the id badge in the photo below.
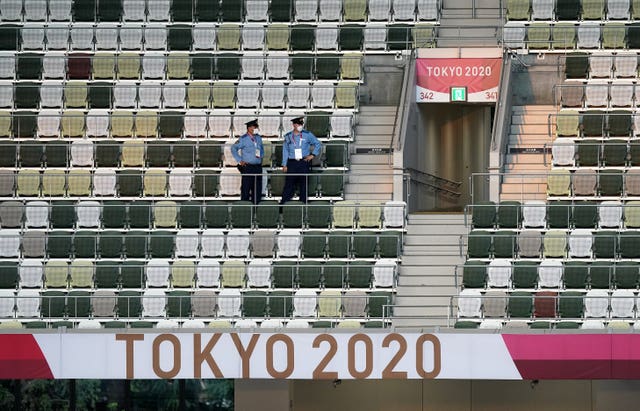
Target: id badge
x,y
257,153
297,153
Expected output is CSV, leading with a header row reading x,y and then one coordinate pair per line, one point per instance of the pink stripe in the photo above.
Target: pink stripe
x,y
22,358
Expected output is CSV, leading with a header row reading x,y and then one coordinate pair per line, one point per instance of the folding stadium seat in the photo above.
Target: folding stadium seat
x,y
10,243
154,303
555,243
259,273
178,66
600,66
32,37
57,37
379,10
154,66
614,36
228,37
588,153
212,243
208,273
618,9
610,183
304,303
596,94
180,182
622,304
563,153
11,214
81,37
469,303
165,214
610,214
106,38
619,125
157,273
233,273
288,243
100,95
632,214
155,183
580,242
229,303
306,10
626,275
621,96
625,65
206,183
238,243
601,274
53,183
329,303
584,182
627,241
31,273
49,123
187,242
558,183
529,242
513,36
7,180
253,37
35,10
190,213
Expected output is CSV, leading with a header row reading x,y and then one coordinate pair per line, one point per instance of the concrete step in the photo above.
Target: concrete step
x,y
533,108
369,196
531,168
530,139
528,158
368,139
379,162
420,232
373,129
530,118
376,119
366,110
522,197
530,179
370,179
368,188
540,129
533,188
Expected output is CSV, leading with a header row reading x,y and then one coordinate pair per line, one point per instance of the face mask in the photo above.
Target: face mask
x,y
298,128
256,131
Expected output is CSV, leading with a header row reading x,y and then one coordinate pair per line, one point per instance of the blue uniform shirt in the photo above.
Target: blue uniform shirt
x,y
245,149
303,140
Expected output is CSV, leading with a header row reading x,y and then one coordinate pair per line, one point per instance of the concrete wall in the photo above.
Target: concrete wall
x,y
534,78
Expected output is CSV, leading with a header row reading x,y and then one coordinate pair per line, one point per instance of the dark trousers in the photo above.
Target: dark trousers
x,y
296,170
251,189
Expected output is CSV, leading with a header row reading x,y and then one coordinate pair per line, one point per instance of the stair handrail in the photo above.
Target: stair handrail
x,y
399,129
438,183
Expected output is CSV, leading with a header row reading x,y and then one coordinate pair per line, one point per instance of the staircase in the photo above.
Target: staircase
x,y
469,23
427,273
371,176
528,152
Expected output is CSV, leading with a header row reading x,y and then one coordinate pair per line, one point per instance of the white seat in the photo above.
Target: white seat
x,y
219,123
149,94
322,95
278,66
187,242
88,214
11,10
89,325
130,37
248,96
327,38
626,65
592,325
288,243
195,123
81,37
610,214
180,181
238,243
379,10
499,273
306,10
7,303
28,303
31,273
35,10
271,323
563,152
550,273
7,68
273,95
618,9
298,95
133,10
125,94
51,95
36,214
330,10
153,66
596,303
60,10
253,37
167,324
82,153
469,303
404,10
580,241
208,273
252,67
57,37
622,303
32,38
428,9
155,38
204,37
6,94
394,214
270,123
229,301
384,273
304,303
588,35
259,273
104,182
375,37
49,123
193,324
106,37
158,10
542,10
534,214
230,181
174,94
212,243
596,94
600,66
621,95
9,243
158,273
154,303
491,324
246,323
513,36
97,123
256,10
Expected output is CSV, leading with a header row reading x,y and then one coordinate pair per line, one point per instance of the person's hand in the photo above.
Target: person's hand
x,y
309,158
284,168
243,163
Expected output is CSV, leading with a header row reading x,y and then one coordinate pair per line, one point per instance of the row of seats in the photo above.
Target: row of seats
x,y
258,273
218,10
548,304
550,273
571,10
598,94
155,183
595,123
295,38
299,37
585,65
556,214
543,36
182,304
492,324
213,214
594,153
576,243
151,153
212,243
103,95
588,183
133,66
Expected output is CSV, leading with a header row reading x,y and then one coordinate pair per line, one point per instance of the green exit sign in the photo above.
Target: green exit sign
x,y
458,94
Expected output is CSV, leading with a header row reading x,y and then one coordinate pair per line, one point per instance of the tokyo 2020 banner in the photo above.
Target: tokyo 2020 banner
x,y
319,356
436,77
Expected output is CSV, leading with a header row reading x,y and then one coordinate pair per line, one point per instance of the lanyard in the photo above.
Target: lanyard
x,y
293,137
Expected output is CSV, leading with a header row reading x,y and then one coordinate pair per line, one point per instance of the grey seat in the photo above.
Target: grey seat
x,y
33,244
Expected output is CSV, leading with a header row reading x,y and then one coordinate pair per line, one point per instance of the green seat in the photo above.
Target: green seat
x,y
613,35
588,153
113,214
53,304
202,66
130,183
161,244
359,274
63,214
399,37
571,304
319,214
525,274
230,10
351,37
540,325
190,214
281,10
629,243
322,324
100,95
520,304
277,37
328,67
267,214
55,153
205,183
336,153
575,274
605,244
626,274
474,274
424,36
31,153
293,214
158,153
538,36
10,150
241,215
280,304
377,302
504,244
132,274
107,274
479,244
209,154
254,304
577,65
559,214
110,243
29,66
313,244
633,33
216,214
115,324
567,9
135,244
179,37
614,153
318,123
27,95
601,274
207,10
339,243
178,304
585,214
79,304
10,39
593,9
364,244
8,274
283,273
129,304
228,36
84,10
277,178
518,9
610,182
563,36
184,153
466,325
309,274
483,214
35,325
301,66
109,10
620,123
331,184
85,244
182,10
25,123
224,95
334,274
390,244
567,325
303,37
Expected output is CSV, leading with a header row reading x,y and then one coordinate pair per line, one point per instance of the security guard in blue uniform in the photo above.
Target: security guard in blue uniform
x,y
249,152
296,159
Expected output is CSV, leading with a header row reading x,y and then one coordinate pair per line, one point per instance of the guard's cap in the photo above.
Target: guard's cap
x,y
252,123
298,120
